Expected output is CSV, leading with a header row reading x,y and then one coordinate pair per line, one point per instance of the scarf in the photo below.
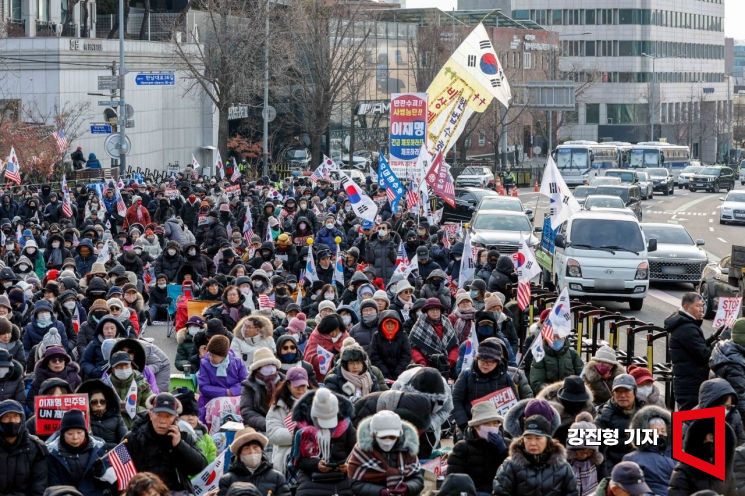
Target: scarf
x,y
362,382
233,311
586,474
222,367
464,323
424,337
269,382
373,468
323,438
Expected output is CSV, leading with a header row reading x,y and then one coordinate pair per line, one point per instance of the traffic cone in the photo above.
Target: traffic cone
x,y
536,188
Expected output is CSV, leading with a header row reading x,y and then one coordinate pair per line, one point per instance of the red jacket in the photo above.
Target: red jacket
x,y
131,216
311,350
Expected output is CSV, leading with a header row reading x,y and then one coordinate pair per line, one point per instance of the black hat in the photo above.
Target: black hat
x,y
188,403
457,485
166,403
428,380
490,349
62,491
630,477
537,425
73,419
215,326
573,390
422,251
329,323
478,284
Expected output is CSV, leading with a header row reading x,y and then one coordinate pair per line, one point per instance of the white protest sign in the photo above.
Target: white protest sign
x,y
503,399
727,311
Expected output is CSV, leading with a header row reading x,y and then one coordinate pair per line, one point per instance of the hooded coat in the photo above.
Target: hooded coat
x,y
23,465
712,393
656,460
549,393
405,451
381,254
391,356
184,348
170,264
555,366
15,346
70,374
548,474
689,354
728,362
244,347
612,416
599,386
109,426
255,401
93,362
79,468
12,386
317,339
502,275
33,332
266,479
305,456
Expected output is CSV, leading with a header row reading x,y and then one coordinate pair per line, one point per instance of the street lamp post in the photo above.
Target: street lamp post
x,y
121,116
652,103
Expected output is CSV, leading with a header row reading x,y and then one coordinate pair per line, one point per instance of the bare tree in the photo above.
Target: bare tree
x,y
328,46
228,61
429,51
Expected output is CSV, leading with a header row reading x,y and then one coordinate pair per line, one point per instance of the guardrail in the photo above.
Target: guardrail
x,y
594,326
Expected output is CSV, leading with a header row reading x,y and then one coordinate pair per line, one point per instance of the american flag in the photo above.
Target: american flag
x,y
289,423
265,302
523,294
66,206
61,139
401,256
122,464
12,168
412,197
390,194
121,207
547,332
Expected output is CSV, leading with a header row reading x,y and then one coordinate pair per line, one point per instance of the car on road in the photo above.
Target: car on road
x,y
510,203
645,185
684,178
713,178
298,159
501,230
716,282
466,202
733,207
606,203
627,176
629,193
474,175
602,180
602,256
582,192
662,180
678,257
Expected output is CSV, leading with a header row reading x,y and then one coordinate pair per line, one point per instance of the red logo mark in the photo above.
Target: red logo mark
x,y
718,413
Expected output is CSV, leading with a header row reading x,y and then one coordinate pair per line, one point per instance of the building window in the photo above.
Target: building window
x,y
592,113
482,138
527,60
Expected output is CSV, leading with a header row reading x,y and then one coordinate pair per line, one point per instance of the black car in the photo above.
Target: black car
x,y
466,201
662,180
713,178
631,195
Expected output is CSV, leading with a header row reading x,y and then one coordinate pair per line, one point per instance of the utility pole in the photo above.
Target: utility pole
x,y
122,114
265,113
652,100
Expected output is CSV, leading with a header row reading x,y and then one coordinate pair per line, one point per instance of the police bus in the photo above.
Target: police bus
x,y
646,154
578,161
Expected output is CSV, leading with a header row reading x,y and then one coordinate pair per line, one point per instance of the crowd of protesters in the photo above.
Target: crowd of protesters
x,y
345,382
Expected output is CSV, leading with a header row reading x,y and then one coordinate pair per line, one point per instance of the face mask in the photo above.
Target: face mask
x,y
603,368
123,374
329,225
329,296
31,251
11,429
484,330
258,286
268,370
348,208
4,371
485,430
281,291
70,305
172,252
192,252
193,330
23,267
302,226
251,461
55,244
382,233
138,251
557,345
643,392
386,444
346,319
44,319
336,338
370,320
474,294
436,283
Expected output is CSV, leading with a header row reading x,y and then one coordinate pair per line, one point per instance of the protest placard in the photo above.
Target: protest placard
x,y
50,409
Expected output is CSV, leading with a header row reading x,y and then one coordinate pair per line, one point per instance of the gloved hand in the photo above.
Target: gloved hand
x,y
498,441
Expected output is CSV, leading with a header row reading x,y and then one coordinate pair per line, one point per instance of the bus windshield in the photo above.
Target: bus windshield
x,y
572,158
644,158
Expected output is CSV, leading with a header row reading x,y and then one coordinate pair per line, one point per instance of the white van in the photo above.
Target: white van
x,y
603,256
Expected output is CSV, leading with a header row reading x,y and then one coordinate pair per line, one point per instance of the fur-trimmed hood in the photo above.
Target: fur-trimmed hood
x,y
517,453
301,410
590,373
641,419
181,335
513,421
266,329
597,457
408,442
549,393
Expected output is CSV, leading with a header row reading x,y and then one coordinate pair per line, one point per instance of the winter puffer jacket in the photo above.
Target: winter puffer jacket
x,y
361,332
713,393
336,382
390,356
152,452
255,402
169,264
555,366
79,468
612,416
548,474
478,458
472,384
381,253
689,354
70,374
244,347
278,434
502,275
266,479
728,362
131,262
656,460
93,362
12,386
184,350
428,381
109,426
600,387
23,466
687,480
33,333
15,346
212,386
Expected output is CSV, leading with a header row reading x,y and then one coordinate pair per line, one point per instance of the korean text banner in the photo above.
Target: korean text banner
x,y
50,409
408,116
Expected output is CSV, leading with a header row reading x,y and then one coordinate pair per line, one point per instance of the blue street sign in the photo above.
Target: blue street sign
x,y
100,128
155,79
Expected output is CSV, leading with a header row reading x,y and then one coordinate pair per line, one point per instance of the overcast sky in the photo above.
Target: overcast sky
x,y
733,22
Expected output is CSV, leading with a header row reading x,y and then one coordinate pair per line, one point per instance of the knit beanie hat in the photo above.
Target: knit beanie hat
x,y
11,406
99,305
16,296
461,297
490,349
6,327
188,403
324,409
51,338
540,407
381,295
114,302
72,419
493,300
297,324
326,304
218,345
5,302
606,354
583,422
428,380
738,331
351,351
